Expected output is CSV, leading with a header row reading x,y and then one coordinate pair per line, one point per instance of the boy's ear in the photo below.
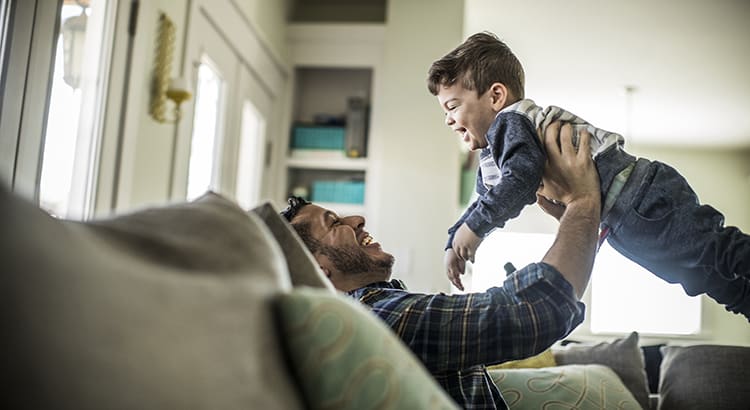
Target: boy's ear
x,y
498,96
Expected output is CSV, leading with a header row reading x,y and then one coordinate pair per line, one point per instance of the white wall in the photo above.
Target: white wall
x,y
147,144
415,156
268,18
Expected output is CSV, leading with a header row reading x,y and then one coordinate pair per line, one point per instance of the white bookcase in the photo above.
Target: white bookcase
x,y
331,63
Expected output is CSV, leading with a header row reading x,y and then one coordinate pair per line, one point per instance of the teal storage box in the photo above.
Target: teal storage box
x,y
318,137
347,192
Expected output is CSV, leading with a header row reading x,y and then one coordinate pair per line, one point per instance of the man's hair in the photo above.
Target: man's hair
x,y
303,229
477,63
293,207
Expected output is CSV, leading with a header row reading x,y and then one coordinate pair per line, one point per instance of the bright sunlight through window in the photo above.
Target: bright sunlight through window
x,y
206,122
499,248
250,162
73,130
624,296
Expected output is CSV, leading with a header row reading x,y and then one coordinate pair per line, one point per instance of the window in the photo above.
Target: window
x,y
202,169
74,120
250,160
624,296
4,9
499,248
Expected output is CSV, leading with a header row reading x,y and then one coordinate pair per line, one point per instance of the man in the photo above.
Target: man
x,y
455,336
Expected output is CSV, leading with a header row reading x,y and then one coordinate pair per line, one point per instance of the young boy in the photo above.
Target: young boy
x,y
649,212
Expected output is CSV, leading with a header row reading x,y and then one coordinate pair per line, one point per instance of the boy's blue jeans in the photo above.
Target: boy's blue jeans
x,y
658,222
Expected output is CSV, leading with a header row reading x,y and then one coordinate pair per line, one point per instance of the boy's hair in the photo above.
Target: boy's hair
x,y
478,62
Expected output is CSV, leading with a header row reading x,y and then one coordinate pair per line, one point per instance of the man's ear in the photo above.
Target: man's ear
x,y
324,263
498,94
326,271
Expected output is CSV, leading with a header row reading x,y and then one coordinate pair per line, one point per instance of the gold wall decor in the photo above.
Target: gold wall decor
x,y
163,87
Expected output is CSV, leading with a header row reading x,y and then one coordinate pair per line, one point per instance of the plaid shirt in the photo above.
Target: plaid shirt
x,y
455,336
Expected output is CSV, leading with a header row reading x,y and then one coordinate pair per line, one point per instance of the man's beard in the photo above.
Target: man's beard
x,y
353,259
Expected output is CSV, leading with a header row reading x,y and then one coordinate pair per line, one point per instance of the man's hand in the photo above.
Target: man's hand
x,y
550,206
455,267
569,175
570,192
465,243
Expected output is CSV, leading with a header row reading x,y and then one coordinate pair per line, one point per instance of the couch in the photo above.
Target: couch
x,y
197,305
586,375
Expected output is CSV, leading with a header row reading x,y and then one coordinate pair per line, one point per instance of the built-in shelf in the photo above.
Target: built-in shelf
x,y
342,164
334,71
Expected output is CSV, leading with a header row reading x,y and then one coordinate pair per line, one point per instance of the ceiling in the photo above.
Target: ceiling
x,y
687,61
361,11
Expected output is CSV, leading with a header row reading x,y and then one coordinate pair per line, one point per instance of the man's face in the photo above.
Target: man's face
x,y
467,114
344,241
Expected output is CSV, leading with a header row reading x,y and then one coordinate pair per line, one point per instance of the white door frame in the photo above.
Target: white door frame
x,y
29,63
227,21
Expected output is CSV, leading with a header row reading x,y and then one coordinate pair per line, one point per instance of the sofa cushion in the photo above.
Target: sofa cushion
x,y
162,308
303,269
621,355
704,377
544,359
346,358
652,361
590,386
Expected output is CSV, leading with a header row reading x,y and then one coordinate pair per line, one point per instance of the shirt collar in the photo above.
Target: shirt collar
x,y
391,284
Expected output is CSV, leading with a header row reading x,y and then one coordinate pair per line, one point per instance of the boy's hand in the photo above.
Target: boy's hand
x,y
454,266
465,243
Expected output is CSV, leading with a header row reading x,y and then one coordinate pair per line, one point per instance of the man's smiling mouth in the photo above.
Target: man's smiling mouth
x,y
366,240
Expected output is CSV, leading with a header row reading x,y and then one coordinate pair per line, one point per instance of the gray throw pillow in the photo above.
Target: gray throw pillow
x,y
704,377
164,308
303,269
621,355
575,386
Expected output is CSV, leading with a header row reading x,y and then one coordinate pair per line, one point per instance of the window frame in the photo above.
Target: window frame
x,y
28,65
27,75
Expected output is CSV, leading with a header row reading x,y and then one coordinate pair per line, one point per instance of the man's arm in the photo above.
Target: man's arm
x,y
571,179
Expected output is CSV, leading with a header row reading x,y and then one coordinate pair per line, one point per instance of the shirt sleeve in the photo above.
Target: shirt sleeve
x,y
534,308
519,155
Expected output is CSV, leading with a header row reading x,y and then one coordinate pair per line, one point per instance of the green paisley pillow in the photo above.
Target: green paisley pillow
x,y
577,386
345,358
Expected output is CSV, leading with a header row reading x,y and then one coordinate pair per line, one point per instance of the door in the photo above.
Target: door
x,y
203,138
225,146
253,150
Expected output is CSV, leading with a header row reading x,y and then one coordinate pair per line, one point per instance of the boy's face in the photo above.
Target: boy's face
x,y
468,114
